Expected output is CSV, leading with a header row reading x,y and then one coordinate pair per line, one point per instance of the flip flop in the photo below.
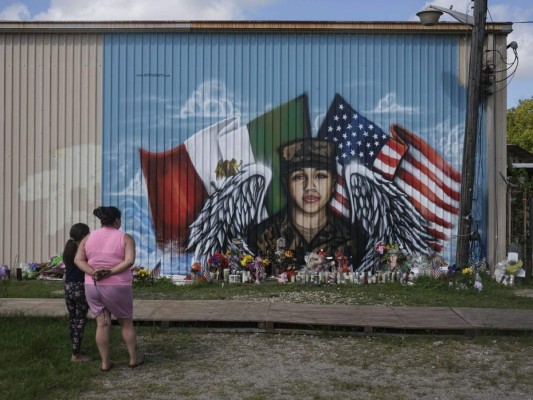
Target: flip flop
x,y
136,365
108,368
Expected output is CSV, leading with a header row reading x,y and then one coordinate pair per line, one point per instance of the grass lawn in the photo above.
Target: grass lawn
x,y
425,292
36,356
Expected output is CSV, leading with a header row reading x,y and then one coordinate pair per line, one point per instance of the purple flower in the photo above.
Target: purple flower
x,y
478,285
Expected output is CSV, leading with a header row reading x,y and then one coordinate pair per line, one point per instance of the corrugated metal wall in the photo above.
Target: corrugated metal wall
x,y
50,129
162,88
54,119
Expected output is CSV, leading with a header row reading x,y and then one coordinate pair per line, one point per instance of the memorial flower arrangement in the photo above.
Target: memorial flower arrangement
x,y
248,262
196,268
31,270
342,261
464,278
285,259
316,262
141,275
199,274
513,267
218,261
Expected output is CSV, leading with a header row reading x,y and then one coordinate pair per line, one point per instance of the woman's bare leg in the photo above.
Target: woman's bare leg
x,y
130,338
103,327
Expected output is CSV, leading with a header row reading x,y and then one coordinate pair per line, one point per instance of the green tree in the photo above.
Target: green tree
x,y
520,132
520,124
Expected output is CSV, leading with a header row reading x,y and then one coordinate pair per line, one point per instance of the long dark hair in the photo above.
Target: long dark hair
x,y
77,233
107,215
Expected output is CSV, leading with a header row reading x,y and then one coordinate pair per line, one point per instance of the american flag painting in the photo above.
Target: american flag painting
x,y
432,185
357,138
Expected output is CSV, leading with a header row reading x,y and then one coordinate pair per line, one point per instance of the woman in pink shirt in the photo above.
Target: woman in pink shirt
x,y
106,256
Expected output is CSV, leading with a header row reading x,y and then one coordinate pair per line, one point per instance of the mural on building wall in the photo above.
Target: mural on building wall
x,y
211,138
351,187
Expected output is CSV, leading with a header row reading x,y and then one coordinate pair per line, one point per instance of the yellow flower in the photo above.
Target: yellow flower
x,y
247,259
467,271
288,253
266,261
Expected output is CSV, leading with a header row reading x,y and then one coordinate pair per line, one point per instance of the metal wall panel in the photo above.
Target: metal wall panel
x,y
162,89
50,129
73,103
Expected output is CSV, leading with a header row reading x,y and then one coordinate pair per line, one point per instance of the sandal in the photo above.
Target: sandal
x,y
136,365
108,368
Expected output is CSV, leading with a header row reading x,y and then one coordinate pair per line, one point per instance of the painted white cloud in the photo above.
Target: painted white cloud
x,y
136,187
50,185
148,10
210,99
15,12
451,145
388,104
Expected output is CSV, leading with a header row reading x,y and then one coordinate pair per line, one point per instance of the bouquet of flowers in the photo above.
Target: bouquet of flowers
x,y
218,261
342,261
285,260
248,262
200,274
196,268
141,275
464,278
316,262
513,267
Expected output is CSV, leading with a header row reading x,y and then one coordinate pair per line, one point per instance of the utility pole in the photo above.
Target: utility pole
x,y
471,133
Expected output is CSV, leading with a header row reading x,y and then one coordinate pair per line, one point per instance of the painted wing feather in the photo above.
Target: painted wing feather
x,y
385,213
230,211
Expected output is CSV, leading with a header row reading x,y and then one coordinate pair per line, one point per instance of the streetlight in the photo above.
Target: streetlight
x,y
430,16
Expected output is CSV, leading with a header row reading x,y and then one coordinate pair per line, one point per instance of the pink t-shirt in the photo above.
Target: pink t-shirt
x,y
104,249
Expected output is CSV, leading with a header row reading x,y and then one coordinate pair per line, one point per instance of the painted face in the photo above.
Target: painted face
x,y
393,258
310,189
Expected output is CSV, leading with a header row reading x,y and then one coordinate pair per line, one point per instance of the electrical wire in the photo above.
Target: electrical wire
x,y
502,59
509,77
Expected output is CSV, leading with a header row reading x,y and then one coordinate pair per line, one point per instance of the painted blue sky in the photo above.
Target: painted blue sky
x,y
516,11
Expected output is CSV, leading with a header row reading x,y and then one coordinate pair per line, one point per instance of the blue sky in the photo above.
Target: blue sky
x,y
516,11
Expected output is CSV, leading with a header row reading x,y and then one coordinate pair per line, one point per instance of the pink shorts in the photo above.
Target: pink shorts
x,y
118,300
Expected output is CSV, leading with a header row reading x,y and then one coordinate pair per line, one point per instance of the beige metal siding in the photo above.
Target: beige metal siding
x,y
496,133
50,127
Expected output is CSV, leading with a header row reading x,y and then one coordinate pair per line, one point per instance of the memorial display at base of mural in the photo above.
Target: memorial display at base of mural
x,y
391,265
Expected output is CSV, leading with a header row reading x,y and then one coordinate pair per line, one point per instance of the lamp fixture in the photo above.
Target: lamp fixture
x,y
431,15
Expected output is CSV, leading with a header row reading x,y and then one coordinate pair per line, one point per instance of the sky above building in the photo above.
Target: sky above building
x,y
519,12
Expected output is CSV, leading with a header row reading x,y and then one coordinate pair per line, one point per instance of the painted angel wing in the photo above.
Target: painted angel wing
x,y
229,212
385,213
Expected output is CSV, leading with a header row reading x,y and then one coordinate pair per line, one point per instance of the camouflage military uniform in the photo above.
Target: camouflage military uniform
x,y
335,234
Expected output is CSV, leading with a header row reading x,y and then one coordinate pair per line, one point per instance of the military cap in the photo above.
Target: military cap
x,y
304,153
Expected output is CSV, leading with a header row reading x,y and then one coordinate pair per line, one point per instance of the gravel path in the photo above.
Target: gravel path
x,y
184,364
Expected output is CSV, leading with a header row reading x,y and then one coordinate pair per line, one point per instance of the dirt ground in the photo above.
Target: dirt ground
x,y
182,364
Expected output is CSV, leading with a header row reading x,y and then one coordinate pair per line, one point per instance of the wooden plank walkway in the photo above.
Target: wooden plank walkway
x,y
275,317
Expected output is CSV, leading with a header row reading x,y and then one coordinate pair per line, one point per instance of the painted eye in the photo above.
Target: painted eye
x,y
298,177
